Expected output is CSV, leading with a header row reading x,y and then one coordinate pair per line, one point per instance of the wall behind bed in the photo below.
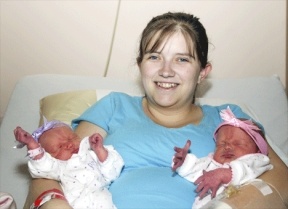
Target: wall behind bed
x,y
99,38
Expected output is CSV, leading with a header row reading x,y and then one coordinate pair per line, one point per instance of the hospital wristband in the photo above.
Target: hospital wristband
x,y
34,152
46,196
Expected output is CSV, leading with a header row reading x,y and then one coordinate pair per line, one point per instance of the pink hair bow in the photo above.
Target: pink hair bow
x,y
246,125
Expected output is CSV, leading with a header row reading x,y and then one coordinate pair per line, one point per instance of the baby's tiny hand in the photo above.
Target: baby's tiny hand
x,y
96,143
180,155
212,180
22,136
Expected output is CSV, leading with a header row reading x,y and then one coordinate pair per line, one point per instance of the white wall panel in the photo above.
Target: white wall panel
x,y
247,37
62,37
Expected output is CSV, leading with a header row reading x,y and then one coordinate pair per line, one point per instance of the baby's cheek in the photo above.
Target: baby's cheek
x,y
217,156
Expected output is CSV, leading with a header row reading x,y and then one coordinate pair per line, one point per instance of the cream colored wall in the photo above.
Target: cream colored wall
x,y
61,37
74,37
247,37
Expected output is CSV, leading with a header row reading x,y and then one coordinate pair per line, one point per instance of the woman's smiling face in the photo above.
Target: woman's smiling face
x,y
170,73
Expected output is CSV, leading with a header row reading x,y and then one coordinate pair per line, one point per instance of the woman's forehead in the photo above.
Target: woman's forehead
x,y
159,41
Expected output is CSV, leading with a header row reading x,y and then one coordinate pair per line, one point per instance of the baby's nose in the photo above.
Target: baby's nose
x,y
228,146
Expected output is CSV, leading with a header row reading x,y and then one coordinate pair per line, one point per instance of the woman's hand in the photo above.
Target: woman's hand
x,y
212,180
180,155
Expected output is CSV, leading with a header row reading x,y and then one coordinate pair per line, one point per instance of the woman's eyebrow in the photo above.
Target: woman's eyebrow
x,y
186,54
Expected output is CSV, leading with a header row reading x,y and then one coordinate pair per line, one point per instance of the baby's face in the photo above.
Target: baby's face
x,y
60,142
232,143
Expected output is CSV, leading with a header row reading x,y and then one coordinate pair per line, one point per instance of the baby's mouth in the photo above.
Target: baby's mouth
x,y
228,155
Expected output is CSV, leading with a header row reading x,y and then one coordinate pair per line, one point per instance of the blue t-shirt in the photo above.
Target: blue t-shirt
x,y
147,148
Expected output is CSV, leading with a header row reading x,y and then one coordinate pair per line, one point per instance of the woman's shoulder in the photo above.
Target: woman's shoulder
x,y
210,111
122,101
217,109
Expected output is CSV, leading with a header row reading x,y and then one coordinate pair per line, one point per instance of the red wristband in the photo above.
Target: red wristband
x,y
46,196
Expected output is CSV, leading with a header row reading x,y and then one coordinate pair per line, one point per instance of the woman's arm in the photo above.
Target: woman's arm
x,y
38,186
87,129
277,179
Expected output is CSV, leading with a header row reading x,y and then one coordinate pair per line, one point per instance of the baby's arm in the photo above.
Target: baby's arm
x,y
25,138
249,167
180,155
212,180
96,143
111,162
112,166
190,168
188,165
240,171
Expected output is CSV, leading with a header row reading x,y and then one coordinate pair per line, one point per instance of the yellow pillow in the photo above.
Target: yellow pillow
x,y
66,106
